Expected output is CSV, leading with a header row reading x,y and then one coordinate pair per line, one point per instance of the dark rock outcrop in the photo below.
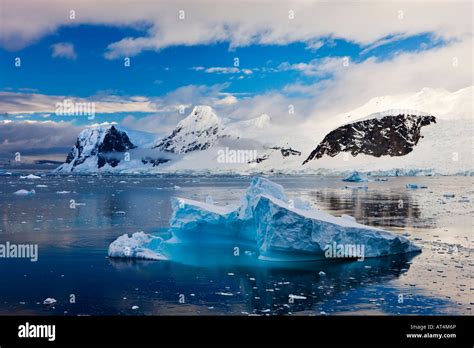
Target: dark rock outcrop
x,y
395,135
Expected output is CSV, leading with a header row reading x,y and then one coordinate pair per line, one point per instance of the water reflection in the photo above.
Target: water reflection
x,y
381,208
276,288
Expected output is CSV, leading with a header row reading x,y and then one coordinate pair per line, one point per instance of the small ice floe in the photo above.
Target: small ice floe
x,y
225,293
135,307
321,273
119,213
415,186
140,245
31,176
23,192
63,192
122,182
176,187
49,301
356,177
41,186
449,195
297,297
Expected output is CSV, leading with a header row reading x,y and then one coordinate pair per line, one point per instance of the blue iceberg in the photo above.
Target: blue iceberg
x,y
356,177
278,228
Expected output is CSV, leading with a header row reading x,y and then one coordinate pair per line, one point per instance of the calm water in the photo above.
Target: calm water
x,y
211,280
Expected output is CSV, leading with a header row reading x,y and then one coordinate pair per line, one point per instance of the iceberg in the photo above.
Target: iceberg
x,y
138,246
277,227
356,177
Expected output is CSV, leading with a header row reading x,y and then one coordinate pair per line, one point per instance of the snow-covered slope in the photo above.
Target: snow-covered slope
x,y
198,131
433,101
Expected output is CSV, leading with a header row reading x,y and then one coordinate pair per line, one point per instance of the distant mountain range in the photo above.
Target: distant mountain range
x,y
429,132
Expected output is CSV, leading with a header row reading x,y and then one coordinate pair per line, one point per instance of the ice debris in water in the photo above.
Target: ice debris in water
x,y
356,177
282,229
30,176
415,186
23,192
49,301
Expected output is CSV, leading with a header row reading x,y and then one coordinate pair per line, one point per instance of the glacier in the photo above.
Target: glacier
x,y
277,227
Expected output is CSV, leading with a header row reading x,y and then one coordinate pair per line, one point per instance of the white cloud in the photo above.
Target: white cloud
x,y
227,100
314,45
63,50
317,67
239,23
45,137
223,70
24,103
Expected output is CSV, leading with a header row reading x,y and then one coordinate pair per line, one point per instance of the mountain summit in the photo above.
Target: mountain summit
x,y
198,131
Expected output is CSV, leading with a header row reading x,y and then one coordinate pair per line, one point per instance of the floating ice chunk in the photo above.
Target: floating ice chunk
x,y
30,176
63,192
321,273
135,307
297,297
415,186
225,293
140,245
49,301
356,177
41,186
23,192
282,231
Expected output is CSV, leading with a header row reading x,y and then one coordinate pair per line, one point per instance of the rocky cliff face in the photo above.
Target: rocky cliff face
x,y
95,147
391,135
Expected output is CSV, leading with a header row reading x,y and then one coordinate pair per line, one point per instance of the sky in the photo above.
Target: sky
x,y
142,62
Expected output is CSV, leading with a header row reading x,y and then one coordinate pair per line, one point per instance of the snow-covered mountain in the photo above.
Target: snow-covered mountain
x,y
198,131
105,147
402,134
